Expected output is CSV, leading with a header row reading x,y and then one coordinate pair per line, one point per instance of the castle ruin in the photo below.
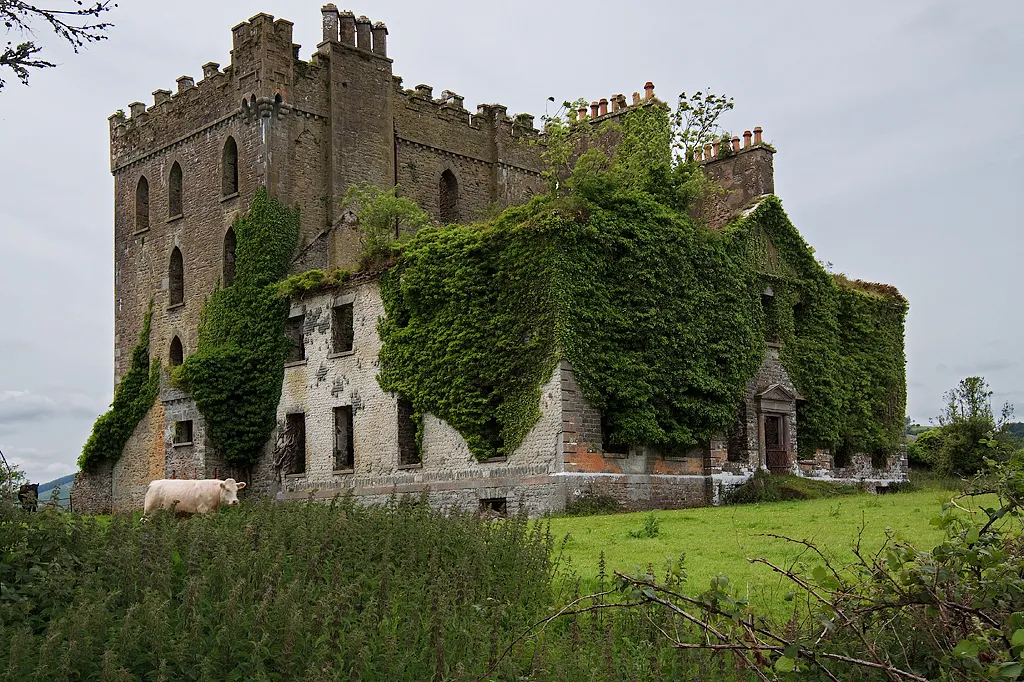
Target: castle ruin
x,y
187,166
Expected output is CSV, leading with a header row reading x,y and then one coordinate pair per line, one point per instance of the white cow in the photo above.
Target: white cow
x,y
193,497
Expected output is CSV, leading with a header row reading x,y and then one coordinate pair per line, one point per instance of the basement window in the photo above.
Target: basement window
x,y
494,505
342,332
344,450
296,342
183,433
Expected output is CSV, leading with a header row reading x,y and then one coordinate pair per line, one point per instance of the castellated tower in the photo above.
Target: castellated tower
x,y
186,166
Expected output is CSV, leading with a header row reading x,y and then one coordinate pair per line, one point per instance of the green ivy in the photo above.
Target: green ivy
x,y
311,282
661,317
236,373
842,340
133,397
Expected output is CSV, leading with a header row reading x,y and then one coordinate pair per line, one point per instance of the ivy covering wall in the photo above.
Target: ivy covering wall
x,y
661,317
235,375
133,397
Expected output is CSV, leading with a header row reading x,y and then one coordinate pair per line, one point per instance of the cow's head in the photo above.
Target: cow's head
x,y
229,491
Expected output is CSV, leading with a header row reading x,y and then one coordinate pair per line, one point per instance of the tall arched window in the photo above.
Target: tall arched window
x,y
229,257
142,205
229,168
449,188
176,355
174,191
176,278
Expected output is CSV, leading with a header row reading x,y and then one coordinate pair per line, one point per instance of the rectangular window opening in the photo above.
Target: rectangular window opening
x,y
494,505
295,437
344,451
606,441
342,331
296,343
408,452
183,432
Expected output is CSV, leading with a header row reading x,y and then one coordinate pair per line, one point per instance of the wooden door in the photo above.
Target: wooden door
x,y
776,455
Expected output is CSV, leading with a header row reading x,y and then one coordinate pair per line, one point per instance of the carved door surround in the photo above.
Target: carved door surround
x,y
776,421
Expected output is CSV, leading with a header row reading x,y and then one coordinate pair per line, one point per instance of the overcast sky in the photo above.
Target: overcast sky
x,y
898,125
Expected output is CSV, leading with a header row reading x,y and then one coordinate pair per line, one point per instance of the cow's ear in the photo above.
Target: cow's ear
x,y
241,485
222,486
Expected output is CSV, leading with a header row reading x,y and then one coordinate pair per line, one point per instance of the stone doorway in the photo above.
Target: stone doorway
x,y
776,454
776,408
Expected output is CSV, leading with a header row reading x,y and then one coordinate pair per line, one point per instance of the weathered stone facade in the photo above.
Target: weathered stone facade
x,y
188,165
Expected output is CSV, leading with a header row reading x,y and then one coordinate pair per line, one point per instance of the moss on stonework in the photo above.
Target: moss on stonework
x,y
133,397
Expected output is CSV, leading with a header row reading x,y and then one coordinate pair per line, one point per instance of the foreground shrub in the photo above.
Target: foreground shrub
x,y
306,592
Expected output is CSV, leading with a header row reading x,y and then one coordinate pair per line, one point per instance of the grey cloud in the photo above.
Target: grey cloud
x,y
20,407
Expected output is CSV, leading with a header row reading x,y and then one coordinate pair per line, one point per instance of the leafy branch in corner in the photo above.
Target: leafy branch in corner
x,y
696,120
78,27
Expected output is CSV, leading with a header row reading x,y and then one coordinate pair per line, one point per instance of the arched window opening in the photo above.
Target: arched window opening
x,y
229,257
177,354
229,168
142,205
176,278
449,188
174,191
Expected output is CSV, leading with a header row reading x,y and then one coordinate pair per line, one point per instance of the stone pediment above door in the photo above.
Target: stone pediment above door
x,y
778,398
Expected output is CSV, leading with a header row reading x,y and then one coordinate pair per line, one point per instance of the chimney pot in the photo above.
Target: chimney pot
x,y
746,138
735,143
648,91
757,135
603,106
708,149
714,148
594,107
636,98
582,112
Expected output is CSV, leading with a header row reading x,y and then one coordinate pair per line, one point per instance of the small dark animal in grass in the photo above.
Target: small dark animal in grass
x,y
192,497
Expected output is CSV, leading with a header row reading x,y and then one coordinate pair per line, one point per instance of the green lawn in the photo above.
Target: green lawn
x,y
721,539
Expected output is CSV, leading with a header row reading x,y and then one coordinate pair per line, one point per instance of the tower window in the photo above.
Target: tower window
x,y
177,354
183,433
229,168
230,244
174,191
408,453
142,205
449,189
176,279
296,435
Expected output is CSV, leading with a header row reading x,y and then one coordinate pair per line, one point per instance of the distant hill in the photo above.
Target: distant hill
x,y
63,484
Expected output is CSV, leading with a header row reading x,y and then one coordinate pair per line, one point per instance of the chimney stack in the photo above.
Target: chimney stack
x,y
331,22
347,27
380,39
363,39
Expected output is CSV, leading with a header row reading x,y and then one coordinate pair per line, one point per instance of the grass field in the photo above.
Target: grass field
x,y
719,540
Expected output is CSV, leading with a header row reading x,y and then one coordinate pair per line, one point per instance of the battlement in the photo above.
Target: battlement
x,y
451,106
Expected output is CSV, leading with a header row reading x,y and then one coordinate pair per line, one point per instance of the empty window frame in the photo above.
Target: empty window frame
x,y
606,441
230,245
295,425
142,205
296,339
176,356
408,452
183,432
342,331
344,446
494,505
176,278
229,168
449,197
174,191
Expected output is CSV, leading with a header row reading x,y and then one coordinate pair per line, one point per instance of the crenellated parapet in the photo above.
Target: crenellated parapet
x,y
265,79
